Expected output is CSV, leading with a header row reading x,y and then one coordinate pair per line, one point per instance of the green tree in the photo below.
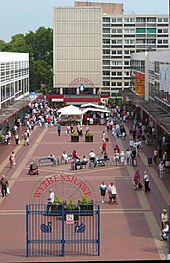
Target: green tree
x,y
2,44
39,45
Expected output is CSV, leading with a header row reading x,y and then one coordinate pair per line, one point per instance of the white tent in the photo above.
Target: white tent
x,y
92,105
94,110
70,110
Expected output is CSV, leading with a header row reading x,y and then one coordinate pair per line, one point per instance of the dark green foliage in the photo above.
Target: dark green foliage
x,y
39,45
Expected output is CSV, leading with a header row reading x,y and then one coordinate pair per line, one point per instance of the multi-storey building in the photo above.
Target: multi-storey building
x,y
14,77
14,87
93,43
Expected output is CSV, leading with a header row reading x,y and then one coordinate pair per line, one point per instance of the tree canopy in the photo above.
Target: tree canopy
x,y
39,45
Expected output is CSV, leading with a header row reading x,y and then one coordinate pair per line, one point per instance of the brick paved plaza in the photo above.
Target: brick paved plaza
x,y
129,230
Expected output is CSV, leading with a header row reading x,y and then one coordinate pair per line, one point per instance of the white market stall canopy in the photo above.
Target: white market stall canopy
x,y
94,110
91,105
70,110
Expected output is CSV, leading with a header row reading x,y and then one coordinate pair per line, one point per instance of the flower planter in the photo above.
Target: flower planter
x,y
88,138
86,209
74,138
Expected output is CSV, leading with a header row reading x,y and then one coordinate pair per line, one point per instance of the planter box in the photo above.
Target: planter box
x,y
88,138
74,138
86,209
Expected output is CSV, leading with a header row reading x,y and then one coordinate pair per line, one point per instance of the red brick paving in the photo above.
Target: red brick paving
x,y
125,233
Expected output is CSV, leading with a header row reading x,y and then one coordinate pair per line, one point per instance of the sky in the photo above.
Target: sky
x,y
23,16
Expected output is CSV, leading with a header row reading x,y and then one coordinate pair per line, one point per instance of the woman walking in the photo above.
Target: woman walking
x,y
12,160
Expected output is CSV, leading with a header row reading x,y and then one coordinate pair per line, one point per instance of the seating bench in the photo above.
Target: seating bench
x,y
69,158
78,164
103,160
46,161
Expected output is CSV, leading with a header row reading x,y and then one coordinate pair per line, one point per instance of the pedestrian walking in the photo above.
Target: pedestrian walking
x,y
26,138
136,180
155,156
103,146
112,191
59,129
4,184
50,199
146,181
103,189
160,169
17,140
12,160
164,218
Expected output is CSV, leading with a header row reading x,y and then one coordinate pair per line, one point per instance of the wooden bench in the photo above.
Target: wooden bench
x,y
46,161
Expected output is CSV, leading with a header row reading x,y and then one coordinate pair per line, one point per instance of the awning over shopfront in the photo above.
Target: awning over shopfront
x,y
153,110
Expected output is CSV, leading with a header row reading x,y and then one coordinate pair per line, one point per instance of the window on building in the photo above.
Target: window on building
x,y
106,52
117,41
126,63
116,52
117,20
129,20
117,31
140,30
129,31
106,73
163,20
151,30
116,63
106,62
106,19
106,41
151,19
106,30
140,19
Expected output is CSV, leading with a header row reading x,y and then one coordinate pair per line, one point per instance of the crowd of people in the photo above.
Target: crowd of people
x,y
142,133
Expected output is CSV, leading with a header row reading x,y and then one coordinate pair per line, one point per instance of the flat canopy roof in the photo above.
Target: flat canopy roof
x,y
160,116
9,111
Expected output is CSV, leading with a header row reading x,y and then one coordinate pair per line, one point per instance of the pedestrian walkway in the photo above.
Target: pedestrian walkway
x,y
129,230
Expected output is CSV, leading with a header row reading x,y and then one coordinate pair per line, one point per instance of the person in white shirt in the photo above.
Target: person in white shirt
x,y
161,169
50,199
64,157
165,232
131,143
146,181
112,194
92,156
122,157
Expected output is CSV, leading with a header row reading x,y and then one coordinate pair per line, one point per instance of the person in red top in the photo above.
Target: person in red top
x,y
104,146
117,148
74,155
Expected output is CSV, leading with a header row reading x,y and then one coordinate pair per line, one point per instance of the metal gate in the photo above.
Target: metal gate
x,y
57,232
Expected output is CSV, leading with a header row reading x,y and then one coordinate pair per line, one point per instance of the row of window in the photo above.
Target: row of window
x,y
136,31
115,63
115,84
136,20
134,41
116,52
118,73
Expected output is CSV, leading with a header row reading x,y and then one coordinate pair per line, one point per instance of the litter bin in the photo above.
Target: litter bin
x,y
149,160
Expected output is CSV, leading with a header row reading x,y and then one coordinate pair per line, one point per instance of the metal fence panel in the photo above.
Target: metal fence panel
x,y
61,232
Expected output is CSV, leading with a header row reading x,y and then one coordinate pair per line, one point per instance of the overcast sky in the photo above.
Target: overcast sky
x,y
22,16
